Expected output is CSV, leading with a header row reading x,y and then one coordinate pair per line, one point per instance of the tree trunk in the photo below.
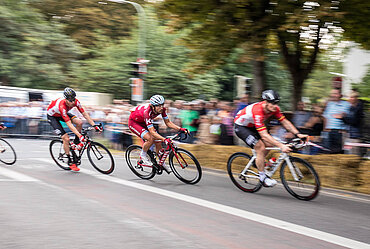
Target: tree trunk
x,y
298,81
259,80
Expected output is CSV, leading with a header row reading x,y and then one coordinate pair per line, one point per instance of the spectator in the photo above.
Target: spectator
x,y
34,114
353,118
204,135
211,108
244,101
189,118
315,125
335,127
227,131
215,129
202,108
300,116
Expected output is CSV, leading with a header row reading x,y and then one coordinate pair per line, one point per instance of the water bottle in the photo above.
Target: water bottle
x,y
270,164
160,153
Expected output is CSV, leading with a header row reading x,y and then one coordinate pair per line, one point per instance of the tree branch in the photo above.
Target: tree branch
x,y
313,55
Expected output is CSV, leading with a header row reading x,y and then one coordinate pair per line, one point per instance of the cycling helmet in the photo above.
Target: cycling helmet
x,y
69,94
157,100
271,96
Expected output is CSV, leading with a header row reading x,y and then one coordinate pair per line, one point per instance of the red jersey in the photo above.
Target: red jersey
x,y
254,116
143,114
59,108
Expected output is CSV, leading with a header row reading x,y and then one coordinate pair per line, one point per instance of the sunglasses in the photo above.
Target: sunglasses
x,y
275,102
71,100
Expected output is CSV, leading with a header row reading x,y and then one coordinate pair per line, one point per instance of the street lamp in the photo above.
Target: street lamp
x,y
137,83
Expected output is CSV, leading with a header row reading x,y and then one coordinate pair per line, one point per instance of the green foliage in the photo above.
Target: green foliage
x,y
86,20
356,22
33,52
110,70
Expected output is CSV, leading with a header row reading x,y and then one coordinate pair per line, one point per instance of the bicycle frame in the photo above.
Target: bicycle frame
x,y
171,147
282,157
77,158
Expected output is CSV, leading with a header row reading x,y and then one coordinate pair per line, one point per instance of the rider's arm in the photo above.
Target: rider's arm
x,y
155,134
88,118
72,128
171,125
266,137
291,128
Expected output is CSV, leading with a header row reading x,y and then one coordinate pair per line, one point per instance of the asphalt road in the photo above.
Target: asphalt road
x,y
43,206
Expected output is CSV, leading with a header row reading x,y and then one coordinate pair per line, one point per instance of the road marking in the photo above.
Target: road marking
x,y
344,196
309,232
16,176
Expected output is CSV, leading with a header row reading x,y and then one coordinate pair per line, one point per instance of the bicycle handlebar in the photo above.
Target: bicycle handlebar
x,y
85,130
177,136
298,143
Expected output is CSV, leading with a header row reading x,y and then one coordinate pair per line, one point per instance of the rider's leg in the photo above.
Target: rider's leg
x,y
78,124
65,139
261,152
148,142
158,146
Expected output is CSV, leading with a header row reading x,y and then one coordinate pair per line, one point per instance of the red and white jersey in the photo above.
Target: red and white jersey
x,y
254,116
59,108
144,114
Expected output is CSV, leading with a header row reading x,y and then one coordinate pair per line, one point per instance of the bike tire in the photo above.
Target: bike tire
x,y
58,154
7,153
185,166
100,158
132,156
308,187
235,166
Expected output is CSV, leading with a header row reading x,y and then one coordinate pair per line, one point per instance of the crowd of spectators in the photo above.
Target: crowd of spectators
x,y
209,122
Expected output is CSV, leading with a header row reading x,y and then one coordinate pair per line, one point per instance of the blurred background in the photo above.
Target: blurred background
x,y
208,57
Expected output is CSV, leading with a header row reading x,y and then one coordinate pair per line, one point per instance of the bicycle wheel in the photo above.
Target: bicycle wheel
x,y
7,153
185,166
307,185
249,181
58,154
133,161
100,158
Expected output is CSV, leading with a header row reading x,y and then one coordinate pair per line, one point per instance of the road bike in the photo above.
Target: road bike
x,y
99,156
297,175
7,152
183,164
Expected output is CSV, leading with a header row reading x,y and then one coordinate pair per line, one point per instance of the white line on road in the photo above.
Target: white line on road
x,y
16,176
335,239
331,238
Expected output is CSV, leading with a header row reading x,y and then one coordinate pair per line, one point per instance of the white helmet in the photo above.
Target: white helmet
x,y
157,100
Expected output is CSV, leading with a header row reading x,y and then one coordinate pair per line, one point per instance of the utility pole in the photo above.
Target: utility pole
x,y
140,66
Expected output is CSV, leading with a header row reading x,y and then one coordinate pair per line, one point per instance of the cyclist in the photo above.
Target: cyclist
x,y
58,111
141,124
250,127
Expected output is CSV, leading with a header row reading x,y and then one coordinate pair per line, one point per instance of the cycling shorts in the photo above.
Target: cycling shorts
x,y
138,129
248,134
57,126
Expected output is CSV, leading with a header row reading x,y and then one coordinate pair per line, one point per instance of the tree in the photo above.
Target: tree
x,y
86,20
219,26
33,53
355,21
110,70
